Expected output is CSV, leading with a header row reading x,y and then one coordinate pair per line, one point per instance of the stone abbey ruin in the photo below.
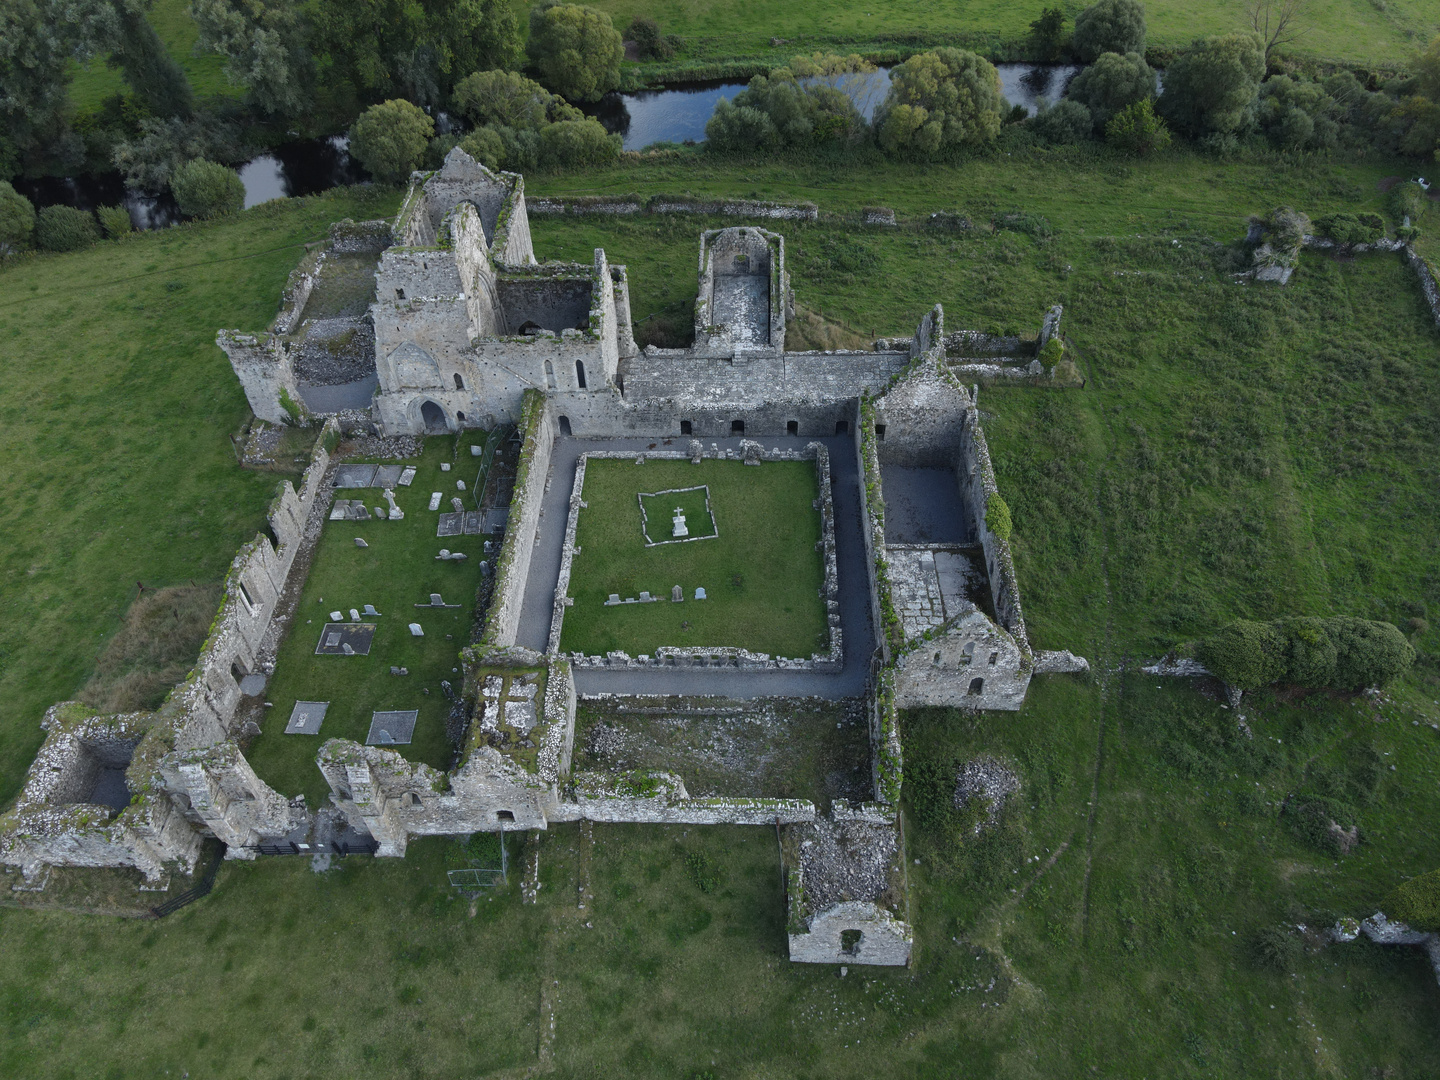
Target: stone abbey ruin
x,y
443,321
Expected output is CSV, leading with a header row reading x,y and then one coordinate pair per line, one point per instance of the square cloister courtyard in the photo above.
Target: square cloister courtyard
x,y
749,543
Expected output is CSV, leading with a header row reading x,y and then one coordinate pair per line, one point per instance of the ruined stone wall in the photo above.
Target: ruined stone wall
x,y
977,484
624,205
971,662
924,417
883,939
660,798
624,329
265,368
215,787
800,384
1428,285
512,568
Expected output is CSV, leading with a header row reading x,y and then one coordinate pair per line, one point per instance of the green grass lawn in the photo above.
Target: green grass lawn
x,y
762,574
1356,30
117,414
395,572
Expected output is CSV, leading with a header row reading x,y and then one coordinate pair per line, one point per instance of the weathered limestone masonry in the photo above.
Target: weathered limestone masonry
x,y
625,205
671,656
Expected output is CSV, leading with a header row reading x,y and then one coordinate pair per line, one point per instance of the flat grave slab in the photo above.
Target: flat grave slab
x,y
474,522
337,635
387,476
394,727
450,525
253,685
520,715
407,476
354,476
495,520
306,718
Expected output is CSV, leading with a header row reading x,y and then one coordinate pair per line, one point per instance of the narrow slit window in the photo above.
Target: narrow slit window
x,y
459,382
792,427
580,373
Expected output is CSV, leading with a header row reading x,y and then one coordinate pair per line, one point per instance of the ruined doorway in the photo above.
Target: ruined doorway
x,y
433,417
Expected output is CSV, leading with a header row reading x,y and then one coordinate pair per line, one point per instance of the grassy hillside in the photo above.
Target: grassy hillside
x,y
1237,450
117,416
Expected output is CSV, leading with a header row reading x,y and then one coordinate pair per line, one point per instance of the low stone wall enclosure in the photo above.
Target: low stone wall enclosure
x,y
471,331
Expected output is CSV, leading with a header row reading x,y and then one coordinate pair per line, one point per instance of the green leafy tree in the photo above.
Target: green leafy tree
x,y
1426,68
576,50
149,69
1112,83
39,41
1247,655
151,160
486,146
939,101
1297,114
780,110
266,50
417,49
1351,229
1367,653
17,219
389,139
1047,33
1116,26
1063,123
1340,653
1212,85
1137,130
577,144
64,228
207,190
504,98
1407,200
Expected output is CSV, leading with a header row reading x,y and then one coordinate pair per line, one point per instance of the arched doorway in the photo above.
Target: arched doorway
x,y
433,417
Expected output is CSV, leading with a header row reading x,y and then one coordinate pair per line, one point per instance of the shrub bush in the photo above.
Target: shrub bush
x,y
939,101
1137,130
1407,200
207,190
17,219
777,110
1415,902
574,144
1278,948
63,228
1063,123
1350,229
1327,825
650,43
1339,653
503,98
997,516
115,220
1212,85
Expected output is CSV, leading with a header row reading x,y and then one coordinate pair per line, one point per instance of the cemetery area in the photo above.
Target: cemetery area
x,y
761,570
767,748
396,570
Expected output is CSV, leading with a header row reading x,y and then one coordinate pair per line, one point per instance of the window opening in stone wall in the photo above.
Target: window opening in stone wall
x,y
245,596
459,382
237,673
792,427
505,815
880,432
850,941
460,416
968,653
977,687
937,658
565,426
686,428
549,375
994,658
737,427
399,294
580,373
842,427
411,799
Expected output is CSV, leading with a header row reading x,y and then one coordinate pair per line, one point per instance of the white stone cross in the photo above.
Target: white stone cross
x,y
677,524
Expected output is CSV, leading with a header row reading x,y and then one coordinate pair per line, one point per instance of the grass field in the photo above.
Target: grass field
x,y
1236,451
117,412
394,573
762,574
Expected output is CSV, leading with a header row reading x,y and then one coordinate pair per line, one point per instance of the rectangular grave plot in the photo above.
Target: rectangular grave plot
x,y
474,522
407,476
387,476
354,476
335,636
394,727
450,525
306,718
520,715
340,510
495,520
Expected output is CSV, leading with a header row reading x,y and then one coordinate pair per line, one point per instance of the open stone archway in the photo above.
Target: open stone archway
x,y
434,419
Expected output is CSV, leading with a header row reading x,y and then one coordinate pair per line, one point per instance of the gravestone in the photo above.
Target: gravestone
x,y
380,512
370,610
677,594
435,497
360,543
415,630
340,510
407,477
386,476
392,727
476,451
336,616
696,450
614,598
347,649
699,594
306,718
457,504
354,615
677,524
444,466
459,485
